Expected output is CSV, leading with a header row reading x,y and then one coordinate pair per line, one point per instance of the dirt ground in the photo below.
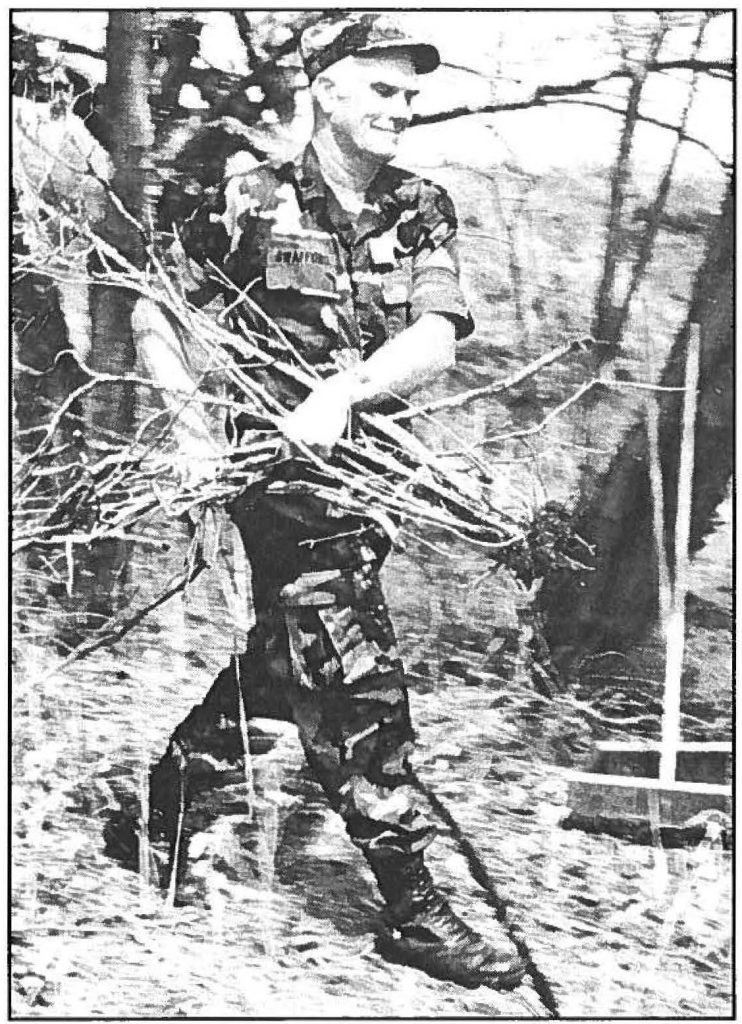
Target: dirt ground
x,y
288,927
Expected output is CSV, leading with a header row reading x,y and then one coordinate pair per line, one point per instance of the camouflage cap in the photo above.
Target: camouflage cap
x,y
327,43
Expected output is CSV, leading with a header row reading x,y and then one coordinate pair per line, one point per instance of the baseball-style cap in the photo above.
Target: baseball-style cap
x,y
326,43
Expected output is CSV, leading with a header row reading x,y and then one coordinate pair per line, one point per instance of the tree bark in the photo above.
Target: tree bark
x,y
126,113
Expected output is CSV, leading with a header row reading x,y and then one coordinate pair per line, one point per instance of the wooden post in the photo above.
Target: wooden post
x,y
675,626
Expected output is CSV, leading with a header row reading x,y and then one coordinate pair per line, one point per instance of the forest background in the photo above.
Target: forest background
x,y
592,184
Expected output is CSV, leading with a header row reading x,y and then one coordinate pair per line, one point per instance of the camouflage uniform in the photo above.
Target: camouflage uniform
x,y
322,652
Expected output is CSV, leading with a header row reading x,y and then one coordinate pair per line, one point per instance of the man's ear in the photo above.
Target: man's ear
x,y
324,90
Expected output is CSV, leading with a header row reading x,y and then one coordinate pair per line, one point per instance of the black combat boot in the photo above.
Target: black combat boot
x,y
425,932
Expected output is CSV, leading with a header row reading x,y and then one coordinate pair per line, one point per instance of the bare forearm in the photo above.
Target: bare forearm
x,y
409,361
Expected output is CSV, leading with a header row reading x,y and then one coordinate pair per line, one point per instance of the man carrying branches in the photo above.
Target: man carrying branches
x,y
355,263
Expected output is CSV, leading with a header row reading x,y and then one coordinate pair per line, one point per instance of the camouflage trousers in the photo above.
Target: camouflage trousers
x,y
322,654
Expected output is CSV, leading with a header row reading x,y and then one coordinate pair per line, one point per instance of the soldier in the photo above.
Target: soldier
x,y
355,261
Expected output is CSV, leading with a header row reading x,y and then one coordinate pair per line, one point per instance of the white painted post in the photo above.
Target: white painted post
x,y
675,626
657,490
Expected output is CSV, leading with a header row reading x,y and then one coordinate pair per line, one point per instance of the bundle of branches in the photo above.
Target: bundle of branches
x,y
113,487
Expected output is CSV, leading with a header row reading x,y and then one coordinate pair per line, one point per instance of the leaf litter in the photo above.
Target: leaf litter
x,y
618,929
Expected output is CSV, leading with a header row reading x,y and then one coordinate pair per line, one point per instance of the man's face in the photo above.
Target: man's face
x,y
368,101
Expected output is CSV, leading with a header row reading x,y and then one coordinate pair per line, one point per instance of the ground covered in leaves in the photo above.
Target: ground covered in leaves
x,y
280,919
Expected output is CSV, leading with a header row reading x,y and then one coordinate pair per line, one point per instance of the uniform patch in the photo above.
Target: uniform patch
x,y
305,262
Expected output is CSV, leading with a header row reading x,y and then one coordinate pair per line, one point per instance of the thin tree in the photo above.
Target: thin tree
x,y
616,605
606,326
659,203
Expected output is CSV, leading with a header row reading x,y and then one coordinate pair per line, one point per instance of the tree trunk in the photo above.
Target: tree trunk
x,y
657,207
608,319
606,324
126,114
617,603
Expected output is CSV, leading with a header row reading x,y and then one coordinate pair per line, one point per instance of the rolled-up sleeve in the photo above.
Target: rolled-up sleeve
x,y
436,284
436,288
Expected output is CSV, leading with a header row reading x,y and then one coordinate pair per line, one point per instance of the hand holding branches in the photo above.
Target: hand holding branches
x,y
322,418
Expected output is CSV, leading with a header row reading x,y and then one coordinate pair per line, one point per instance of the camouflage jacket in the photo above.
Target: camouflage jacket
x,y
336,288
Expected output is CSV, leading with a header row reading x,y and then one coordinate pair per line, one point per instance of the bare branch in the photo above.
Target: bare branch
x,y
689,64
454,401
118,629
65,45
647,119
693,64
583,389
545,93
604,304
663,190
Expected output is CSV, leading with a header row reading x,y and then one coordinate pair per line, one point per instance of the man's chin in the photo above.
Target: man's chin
x,y
383,144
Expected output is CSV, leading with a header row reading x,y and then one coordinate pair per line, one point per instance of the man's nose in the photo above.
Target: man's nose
x,y
401,109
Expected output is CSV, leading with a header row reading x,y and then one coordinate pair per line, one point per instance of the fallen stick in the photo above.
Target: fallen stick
x,y
122,628
553,356
481,876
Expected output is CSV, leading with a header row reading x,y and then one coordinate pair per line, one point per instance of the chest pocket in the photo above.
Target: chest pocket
x,y
305,262
396,293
